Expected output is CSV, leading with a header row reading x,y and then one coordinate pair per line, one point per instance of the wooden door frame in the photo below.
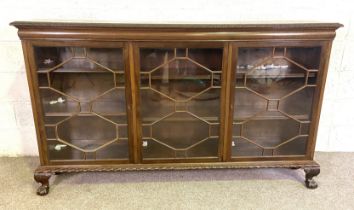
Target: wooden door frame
x,y
316,104
37,108
181,44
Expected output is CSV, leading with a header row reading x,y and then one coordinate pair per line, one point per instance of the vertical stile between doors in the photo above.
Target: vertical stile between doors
x,y
227,101
132,92
128,96
223,113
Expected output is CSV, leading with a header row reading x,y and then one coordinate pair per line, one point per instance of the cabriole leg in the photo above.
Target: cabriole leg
x,y
43,179
309,174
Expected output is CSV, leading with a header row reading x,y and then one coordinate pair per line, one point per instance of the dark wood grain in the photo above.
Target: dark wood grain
x,y
82,31
240,26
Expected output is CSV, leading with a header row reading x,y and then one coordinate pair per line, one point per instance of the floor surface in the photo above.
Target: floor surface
x,y
200,189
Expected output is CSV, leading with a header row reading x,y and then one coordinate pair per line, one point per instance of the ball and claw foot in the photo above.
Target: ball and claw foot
x,y
311,184
43,190
43,179
309,174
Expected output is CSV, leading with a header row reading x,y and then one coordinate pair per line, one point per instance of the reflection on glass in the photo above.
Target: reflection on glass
x,y
83,98
78,59
273,100
180,101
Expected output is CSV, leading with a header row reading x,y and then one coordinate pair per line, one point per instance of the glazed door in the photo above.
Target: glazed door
x,y
82,92
180,96
274,91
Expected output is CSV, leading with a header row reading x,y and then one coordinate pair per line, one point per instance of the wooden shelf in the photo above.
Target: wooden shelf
x,y
216,119
153,119
243,148
180,119
183,78
79,70
117,150
59,114
154,150
282,117
240,73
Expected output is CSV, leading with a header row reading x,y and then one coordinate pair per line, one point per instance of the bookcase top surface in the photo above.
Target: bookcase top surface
x,y
216,26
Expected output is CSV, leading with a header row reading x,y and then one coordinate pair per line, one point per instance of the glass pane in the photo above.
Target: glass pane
x,y
55,103
309,57
242,147
179,126
78,59
82,86
61,151
294,147
180,101
273,100
299,104
83,97
111,105
153,149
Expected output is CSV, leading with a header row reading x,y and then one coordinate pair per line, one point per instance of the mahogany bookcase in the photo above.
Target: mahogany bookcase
x,y
115,97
